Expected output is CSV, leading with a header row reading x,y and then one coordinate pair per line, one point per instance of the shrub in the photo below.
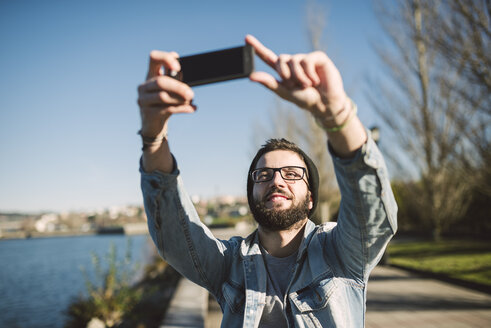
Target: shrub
x,y
110,296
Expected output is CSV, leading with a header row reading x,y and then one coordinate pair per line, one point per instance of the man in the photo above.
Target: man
x,y
289,272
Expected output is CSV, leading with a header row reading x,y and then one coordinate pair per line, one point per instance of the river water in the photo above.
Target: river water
x,y
39,277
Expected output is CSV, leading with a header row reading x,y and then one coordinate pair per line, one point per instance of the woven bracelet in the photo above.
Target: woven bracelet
x,y
151,141
354,110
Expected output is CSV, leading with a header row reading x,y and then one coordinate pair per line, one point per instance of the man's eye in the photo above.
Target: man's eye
x,y
292,175
261,175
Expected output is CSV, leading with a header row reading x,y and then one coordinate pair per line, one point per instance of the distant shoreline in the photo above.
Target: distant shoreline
x,y
37,235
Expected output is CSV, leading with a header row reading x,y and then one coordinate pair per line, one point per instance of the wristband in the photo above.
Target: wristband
x,y
354,110
151,141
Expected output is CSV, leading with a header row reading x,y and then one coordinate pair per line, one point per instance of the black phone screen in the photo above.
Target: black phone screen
x,y
216,66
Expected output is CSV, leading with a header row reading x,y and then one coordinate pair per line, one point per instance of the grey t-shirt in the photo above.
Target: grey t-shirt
x,y
280,271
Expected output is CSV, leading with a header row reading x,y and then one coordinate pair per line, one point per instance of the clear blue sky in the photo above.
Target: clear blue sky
x,y
68,77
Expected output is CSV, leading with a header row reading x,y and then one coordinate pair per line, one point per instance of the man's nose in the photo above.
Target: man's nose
x,y
277,179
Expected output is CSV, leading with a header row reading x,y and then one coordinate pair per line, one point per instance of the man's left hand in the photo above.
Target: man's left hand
x,y
311,81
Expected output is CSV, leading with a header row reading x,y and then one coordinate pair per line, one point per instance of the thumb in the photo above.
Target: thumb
x,y
265,79
271,83
159,59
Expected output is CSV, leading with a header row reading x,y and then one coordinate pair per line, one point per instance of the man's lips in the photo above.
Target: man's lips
x,y
277,197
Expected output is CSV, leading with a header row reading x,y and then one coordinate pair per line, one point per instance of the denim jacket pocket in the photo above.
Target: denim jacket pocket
x,y
315,296
234,297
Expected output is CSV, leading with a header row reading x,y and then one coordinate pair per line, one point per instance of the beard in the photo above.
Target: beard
x,y
276,219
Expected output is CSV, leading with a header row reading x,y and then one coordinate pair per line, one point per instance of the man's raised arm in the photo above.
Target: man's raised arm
x,y
159,97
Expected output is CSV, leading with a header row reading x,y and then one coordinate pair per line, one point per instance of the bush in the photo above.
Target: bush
x,y
110,296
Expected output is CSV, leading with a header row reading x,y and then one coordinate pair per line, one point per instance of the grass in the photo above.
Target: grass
x,y
464,260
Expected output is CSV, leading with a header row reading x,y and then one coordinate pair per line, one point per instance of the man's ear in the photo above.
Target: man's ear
x,y
311,202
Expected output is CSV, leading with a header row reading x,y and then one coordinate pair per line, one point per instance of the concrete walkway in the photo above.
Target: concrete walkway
x,y
400,299
188,307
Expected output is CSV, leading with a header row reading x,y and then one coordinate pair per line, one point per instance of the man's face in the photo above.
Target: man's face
x,y
280,203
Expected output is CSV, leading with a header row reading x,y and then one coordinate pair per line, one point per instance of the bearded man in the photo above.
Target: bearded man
x,y
289,272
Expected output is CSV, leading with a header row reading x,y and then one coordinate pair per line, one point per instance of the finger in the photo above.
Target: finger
x,y
317,63
309,70
166,84
267,55
166,111
270,82
297,71
265,79
183,109
330,80
283,68
160,58
161,99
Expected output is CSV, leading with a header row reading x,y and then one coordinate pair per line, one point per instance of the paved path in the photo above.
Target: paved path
x,y
188,308
400,299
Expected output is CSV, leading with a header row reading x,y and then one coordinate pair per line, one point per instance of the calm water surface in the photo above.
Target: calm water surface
x,y
39,277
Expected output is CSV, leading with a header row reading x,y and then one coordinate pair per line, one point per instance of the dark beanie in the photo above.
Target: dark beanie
x,y
283,144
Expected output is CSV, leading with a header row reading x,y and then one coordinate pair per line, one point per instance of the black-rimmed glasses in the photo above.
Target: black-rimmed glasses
x,y
288,173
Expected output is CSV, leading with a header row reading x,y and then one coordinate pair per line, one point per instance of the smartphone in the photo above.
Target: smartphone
x,y
216,66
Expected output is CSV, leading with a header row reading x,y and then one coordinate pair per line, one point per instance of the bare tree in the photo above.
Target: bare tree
x,y
427,106
286,121
464,41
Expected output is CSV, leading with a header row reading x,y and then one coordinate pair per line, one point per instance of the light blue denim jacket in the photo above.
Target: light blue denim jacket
x,y
328,287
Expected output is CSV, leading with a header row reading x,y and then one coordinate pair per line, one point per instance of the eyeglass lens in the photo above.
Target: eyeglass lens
x,y
286,172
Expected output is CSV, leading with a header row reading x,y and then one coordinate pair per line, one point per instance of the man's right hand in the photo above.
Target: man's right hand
x,y
160,96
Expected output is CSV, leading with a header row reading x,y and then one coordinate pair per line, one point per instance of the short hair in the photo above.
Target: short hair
x,y
283,144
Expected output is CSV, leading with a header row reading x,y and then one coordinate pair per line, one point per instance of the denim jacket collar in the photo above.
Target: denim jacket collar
x,y
250,245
